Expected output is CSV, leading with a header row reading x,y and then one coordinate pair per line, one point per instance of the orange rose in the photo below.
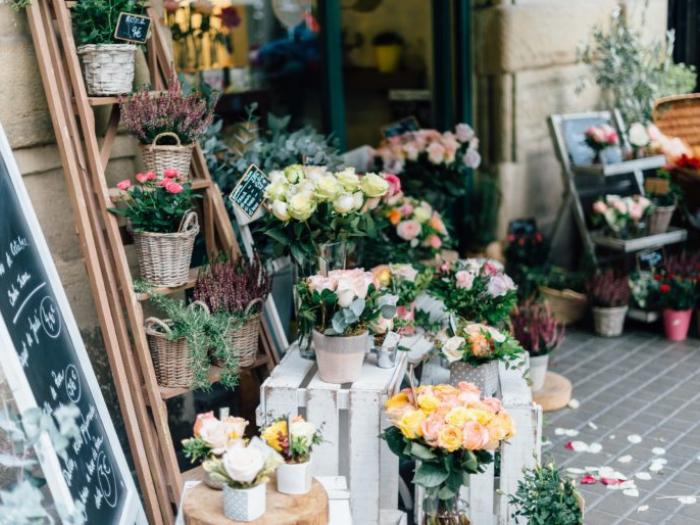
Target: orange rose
x,y
394,216
479,344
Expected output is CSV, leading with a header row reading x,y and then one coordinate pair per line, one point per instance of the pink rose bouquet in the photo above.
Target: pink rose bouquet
x,y
622,216
155,204
212,436
476,290
602,137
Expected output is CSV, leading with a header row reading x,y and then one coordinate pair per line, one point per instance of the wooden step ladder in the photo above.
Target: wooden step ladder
x,y
84,157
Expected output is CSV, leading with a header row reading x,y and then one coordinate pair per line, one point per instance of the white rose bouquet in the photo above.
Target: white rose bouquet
x,y
293,439
477,343
310,206
345,302
212,436
243,466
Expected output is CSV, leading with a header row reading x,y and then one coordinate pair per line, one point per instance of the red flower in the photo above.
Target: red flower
x,y
610,481
145,177
569,445
588,480
657,277
170,173
173,187
665,288
669,275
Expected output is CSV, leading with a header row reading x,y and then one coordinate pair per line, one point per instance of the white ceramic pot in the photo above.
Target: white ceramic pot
x,y
294,478
483,376
609,321
538,370
340,358
245,504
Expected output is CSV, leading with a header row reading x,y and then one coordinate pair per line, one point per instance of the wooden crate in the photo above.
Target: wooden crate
x,y
353,418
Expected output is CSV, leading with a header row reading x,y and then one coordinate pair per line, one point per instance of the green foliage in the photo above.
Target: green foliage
x,y
484,201
507,350
195,449
94,21
204,331
633,73
18,5
544,498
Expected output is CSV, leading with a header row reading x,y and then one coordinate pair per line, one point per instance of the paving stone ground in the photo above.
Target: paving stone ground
x,y
636,384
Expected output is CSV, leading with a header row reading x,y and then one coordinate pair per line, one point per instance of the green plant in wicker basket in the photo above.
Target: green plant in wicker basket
x,y
94,21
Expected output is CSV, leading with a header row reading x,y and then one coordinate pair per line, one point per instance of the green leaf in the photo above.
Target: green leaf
x,y
430,474
396,442
421,451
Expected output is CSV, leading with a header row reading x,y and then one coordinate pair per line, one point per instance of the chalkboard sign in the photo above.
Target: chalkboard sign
x,y
249,193
649,260
400,127
522,226
580,154
46,365
132,28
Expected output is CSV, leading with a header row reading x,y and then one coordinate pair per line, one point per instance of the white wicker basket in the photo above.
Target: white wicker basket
x,y
108,68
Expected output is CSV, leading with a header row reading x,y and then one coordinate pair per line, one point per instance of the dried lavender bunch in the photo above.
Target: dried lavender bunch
x,y
146,114
609,289
231,286
536,328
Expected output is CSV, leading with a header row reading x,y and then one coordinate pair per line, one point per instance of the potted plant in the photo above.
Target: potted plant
x,y
476,290
451,433
623,217
180,344
677,296
237,289
211,437
539,333
405,282
108,64
639,139
244,470
294,438
473,354
315,213
600,138
564,291
159,213
387,51
543,496
610,294
664,196
337,310
167,125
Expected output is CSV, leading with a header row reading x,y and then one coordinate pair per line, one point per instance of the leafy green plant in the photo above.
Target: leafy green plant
x,y
544,498
94,21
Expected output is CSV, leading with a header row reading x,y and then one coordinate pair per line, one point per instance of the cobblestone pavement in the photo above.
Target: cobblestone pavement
x,y
638,385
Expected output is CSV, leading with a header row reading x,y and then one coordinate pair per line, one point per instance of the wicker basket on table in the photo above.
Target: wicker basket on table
x,y
158,157
243,339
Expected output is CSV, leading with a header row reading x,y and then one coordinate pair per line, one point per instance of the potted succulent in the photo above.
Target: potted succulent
x,y
564,291
450,432
237,289
211,437
108,64
600,138
664,196
167,125
677,295
244,470
543,496
539,333
610,294
159,213
622,217
337,310
473,354
294,438
387,51
477,290
407,283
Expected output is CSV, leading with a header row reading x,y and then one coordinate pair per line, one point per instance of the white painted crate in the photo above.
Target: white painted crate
x,y
487,496
353,418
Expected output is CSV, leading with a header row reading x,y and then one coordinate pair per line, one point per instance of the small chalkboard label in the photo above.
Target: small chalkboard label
x,y
657,186
133,28
249,193
649,260
400,127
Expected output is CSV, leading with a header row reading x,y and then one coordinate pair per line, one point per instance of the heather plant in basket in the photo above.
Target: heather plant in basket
x,y
608,289
536,328
147,114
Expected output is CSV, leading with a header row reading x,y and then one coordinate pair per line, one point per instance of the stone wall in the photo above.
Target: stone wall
x,y
526,70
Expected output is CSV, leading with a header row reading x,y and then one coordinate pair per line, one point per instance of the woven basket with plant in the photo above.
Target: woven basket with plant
x,y
168,124
564,291
236,289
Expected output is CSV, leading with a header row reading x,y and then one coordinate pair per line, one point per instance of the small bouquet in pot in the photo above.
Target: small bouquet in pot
x,y
294,439
212,436
452,431
407,283
600,138
476,290
337,310
622,217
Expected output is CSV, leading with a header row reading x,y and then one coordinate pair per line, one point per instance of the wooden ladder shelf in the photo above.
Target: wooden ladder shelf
x,y
85,157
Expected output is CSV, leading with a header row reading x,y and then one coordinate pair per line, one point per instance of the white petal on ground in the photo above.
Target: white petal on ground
x,y
595,448
574,403
656,465
629,484
612,436
571,432
592,469
644,476
687,500
574,470
658,451
579,446
634,438
595,427
643,508
632,493
625,459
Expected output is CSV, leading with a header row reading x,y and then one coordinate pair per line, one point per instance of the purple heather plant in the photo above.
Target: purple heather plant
x,y
536,328
609,289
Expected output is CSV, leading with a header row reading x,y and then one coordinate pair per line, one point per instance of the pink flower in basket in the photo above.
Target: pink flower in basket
x,y
171,173
436,153
173,187
145,177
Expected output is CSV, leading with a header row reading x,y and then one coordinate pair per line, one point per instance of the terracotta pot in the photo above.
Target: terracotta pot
x,y
538,371
609,321
245,504
340,358
294,478
676,324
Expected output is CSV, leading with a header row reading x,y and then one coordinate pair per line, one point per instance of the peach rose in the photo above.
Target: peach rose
x,y
431,428
201,418
475,436
408,230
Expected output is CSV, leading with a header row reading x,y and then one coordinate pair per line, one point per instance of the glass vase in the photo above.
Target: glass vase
x,y
444,511
331,256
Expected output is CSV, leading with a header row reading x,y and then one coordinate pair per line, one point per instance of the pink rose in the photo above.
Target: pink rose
x,y
408,230
636,211
433,241
468,392
500,285
173,187
494,404
489,268
436,153
475,436
318,283
124,185
431,428
600,207
394,184
464,132
471,158
170,173
406,209
620,206
145,177
465,279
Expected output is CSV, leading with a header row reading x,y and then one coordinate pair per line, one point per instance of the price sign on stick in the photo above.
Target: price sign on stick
x,y
249,193
400,127
133,28
649,260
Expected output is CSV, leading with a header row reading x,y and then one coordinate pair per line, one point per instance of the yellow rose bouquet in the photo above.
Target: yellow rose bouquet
x,y
452,431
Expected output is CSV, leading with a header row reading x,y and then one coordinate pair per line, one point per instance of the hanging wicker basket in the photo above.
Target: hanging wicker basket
x,y
244,339
171,359
164,258
157,157
108,68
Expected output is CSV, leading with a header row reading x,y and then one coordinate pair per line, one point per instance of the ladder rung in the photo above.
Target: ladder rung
x,y
191,280
103,101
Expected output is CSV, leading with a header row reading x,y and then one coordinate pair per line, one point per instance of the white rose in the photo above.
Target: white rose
x,y
215,434
348,179
422,214
276,190
373,185
344,203
638,135
277,176
358,200
294,173
328,188
243,464
279,210
451,349
301,206
405,271
345,291
235,427
314,173
303,429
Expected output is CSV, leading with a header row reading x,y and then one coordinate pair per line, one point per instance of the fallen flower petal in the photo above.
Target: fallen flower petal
x,y
687,500
632,493
625,459
610,481
588,480
644,476
593,425
634,438
643,508
573,470
658,451
574,404
595,448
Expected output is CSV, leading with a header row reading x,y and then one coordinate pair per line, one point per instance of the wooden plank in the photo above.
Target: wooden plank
x,y
102,101
480,494
111,134
322,408
162,290
281,393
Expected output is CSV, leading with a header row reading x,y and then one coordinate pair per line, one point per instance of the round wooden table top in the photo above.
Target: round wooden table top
x,y
555,394
205,506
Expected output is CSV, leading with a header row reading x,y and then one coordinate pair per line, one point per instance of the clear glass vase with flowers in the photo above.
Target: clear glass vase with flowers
x,y
600,138
451,432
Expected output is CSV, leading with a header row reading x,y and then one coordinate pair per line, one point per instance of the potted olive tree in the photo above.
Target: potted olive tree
x,y
610,294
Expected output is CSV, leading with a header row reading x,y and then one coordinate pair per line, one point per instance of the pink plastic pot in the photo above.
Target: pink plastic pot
x,y
676,324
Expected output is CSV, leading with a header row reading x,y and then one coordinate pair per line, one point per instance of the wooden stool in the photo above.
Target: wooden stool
x,y
204,506
555,394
